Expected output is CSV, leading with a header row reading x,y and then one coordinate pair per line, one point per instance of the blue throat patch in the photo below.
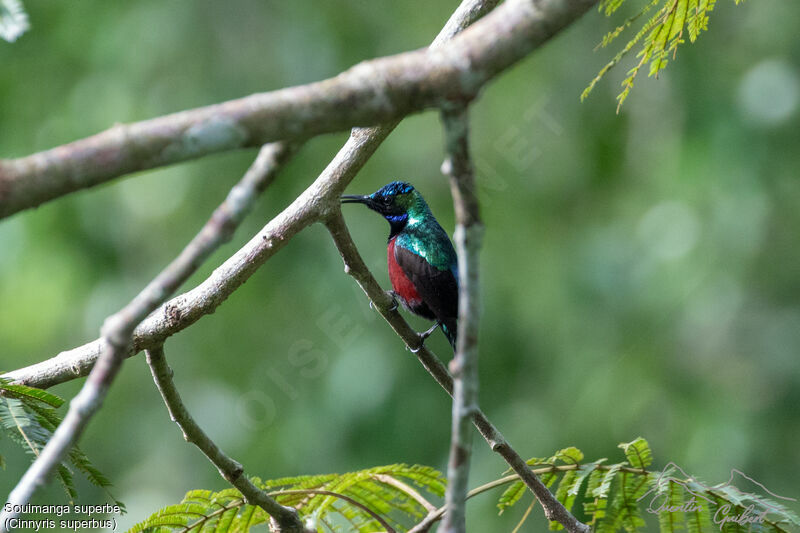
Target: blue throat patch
x,y
396,223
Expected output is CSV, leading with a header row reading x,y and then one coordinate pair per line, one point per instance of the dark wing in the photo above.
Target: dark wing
x,y
438,288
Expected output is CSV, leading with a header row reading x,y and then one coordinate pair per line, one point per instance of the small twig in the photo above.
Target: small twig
x,y
464,366
340,496
118,328
206,518
437,514
408,489
229,469
524,517
355,267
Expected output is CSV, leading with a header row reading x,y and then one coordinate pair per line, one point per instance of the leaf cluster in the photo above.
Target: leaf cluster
x,y
617,496
338,502
28,418
614,497
658,38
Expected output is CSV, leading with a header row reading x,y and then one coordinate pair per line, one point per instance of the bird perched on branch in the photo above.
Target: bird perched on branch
x,y
423,266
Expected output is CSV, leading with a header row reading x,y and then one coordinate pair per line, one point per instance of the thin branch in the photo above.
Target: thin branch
x,y
408,489
229,469
373,514
118,328
383,303
524,517
464,366
437,514
372,92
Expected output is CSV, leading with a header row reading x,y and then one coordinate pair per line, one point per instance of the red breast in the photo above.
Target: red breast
x,y
400,283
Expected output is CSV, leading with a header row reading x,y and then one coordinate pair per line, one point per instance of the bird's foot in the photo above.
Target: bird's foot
x,y
424,335
393,296
427,333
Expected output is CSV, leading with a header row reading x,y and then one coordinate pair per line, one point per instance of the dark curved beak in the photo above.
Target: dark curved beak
x,y
356,199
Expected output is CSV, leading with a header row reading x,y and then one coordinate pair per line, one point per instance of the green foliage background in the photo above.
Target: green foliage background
x,y
641,270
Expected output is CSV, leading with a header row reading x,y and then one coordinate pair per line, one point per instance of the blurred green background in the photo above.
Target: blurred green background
x,y
641,271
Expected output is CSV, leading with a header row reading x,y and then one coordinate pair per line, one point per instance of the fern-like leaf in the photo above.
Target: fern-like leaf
x,y
28,416
658,38
670,515
592,507
633,486
638,453
511,496
567,456
373,500
698,516
18,391
353,499
570,486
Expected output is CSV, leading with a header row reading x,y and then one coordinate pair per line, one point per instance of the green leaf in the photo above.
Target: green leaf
x,y
633,486
570,486
670,519
610,7
658,38
593,506
424,477
28,418
698,516
23,391
247,518
226,510
225,520
604,487
570,456
638,453
511,496
614,498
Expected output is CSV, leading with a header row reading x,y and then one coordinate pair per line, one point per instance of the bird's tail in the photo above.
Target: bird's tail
x,y
450,329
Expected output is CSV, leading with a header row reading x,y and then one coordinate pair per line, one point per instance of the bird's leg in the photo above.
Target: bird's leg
x,y
427,333
424,335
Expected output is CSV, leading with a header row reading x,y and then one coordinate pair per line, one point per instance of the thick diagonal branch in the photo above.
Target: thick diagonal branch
x,y
355,266
118,328
286,517
372,92
464,366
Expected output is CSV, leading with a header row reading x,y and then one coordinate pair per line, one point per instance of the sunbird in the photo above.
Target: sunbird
x,y
423,266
